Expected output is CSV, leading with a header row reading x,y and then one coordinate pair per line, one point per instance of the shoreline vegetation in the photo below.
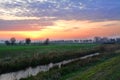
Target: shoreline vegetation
x,y
54,54
86,69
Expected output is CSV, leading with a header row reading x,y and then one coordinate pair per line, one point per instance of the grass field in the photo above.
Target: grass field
x,y
103,67
13,58
107,70
29,50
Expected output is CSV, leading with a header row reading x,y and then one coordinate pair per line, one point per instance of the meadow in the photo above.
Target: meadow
x,y
102,67
30,50
107,69
13,58
19,57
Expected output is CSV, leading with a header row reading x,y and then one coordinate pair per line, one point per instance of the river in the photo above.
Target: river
x,y
42,68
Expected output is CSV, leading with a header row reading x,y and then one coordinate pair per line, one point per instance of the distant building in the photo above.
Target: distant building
x,y
97,39
104,40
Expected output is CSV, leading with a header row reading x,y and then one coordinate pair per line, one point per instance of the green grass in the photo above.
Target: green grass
x,y
13,58
103,67
107,70
17,51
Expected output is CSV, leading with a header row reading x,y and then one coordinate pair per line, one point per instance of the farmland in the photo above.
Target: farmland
x,y
17,57
106,70
102,67
30,50
13,58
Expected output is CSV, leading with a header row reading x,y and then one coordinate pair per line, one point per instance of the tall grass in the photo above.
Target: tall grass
x,y
82,65
13,58
86,68
53,55
107,70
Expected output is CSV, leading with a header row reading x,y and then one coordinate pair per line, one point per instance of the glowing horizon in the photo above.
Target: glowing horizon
x,y
74,31
64,19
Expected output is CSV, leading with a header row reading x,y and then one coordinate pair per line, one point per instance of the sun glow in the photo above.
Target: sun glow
x,y
32,34
22,34
63,29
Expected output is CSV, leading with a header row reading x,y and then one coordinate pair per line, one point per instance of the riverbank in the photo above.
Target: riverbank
x,y
106,70
84,69
45,59
42,68
40,55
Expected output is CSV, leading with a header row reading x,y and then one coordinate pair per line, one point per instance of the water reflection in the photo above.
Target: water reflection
x,y
34,71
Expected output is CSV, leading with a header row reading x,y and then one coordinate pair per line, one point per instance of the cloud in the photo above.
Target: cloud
x,y
12,17
112,24
39,14
24,25
63,9
59,29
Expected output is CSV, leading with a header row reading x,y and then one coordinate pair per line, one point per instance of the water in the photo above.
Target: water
x,y
42,68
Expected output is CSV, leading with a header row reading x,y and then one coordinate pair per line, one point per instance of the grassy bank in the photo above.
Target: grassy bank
x,y
13,58
87,69
107,70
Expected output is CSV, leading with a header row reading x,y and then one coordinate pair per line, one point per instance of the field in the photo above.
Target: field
x,y
103,67
13,58
107,70
30,50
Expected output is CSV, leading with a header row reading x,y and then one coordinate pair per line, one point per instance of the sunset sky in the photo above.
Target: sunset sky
x,y
59,19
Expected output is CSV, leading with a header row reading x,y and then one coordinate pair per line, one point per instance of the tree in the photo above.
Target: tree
x,y
12,40
46,42
27,40
7,42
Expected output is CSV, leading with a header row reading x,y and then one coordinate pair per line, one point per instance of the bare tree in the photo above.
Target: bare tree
x,y
46,42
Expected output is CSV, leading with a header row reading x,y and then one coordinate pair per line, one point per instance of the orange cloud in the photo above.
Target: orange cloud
x,y
71,29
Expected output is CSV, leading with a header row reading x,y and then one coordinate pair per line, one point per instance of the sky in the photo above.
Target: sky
x,y
59,19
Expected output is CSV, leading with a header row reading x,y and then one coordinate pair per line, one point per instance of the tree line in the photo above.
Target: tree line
x,y
13,40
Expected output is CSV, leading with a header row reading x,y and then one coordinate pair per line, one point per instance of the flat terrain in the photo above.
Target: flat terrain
x,y
103,67
106,70
30,50
13,58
